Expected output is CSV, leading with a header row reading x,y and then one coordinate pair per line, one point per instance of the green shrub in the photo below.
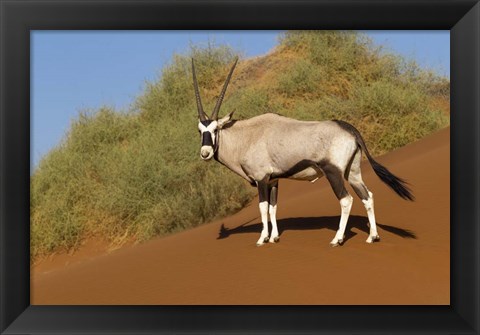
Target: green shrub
x,y
301,78
248,102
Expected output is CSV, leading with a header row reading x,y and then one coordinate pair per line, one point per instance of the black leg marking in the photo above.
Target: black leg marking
x,y
263,192
360,190
335,178
263,196
273,191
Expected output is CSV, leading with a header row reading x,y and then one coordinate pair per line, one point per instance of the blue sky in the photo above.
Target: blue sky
x,y
76,70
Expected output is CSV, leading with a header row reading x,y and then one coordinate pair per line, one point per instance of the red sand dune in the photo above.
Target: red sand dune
x,y
218,263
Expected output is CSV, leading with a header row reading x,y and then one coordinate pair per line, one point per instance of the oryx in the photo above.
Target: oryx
x,y
268,147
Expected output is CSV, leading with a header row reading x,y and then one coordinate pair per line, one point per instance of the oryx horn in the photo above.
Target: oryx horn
x,y
222,94
201,113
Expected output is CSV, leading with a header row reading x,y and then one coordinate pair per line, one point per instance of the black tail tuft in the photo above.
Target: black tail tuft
x,y
398,185
395,183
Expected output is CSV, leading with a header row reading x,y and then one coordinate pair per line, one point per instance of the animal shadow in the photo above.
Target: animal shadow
x,y
313,223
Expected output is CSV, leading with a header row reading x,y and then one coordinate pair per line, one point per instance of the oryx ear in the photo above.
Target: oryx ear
x,y
224,120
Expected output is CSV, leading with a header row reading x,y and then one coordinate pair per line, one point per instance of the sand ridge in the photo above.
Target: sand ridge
x,y
218,263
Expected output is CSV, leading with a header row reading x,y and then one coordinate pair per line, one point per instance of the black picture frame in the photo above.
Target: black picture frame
x,y
19,17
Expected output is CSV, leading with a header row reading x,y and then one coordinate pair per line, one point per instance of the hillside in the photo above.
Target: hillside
x,y
127,176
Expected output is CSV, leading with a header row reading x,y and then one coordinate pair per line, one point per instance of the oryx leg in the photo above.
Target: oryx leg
x,y
355,180
335,177
263,196
272,210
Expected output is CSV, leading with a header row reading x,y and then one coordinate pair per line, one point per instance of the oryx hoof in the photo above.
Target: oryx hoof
x,y
274,240
262,241
336,244
372,239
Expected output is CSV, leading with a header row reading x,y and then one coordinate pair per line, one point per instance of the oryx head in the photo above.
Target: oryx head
x,y
209,126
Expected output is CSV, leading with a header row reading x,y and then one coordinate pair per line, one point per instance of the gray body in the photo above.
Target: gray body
x,y
268,147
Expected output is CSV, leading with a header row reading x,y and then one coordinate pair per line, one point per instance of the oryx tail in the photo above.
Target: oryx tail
x,y
398,185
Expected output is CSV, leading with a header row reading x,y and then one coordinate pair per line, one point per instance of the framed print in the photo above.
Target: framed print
x,y
437,268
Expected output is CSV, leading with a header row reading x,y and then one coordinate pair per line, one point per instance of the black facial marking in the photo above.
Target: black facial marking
x,y
206,123
207,139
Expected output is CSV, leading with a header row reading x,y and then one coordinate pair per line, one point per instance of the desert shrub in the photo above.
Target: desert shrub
x,y
335,51
248,102
301,78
